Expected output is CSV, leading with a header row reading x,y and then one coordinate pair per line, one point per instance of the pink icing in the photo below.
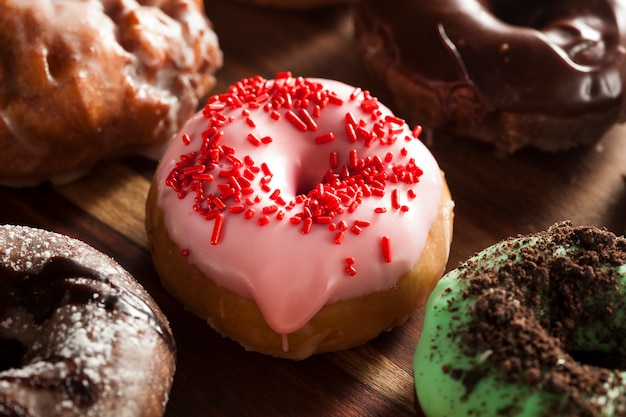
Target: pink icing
x,y
289,273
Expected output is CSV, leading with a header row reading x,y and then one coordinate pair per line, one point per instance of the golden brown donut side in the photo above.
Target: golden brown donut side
x,y
337,326
81,81
103,349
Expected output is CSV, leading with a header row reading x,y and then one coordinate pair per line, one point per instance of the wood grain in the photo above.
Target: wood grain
x,y
496,196
113,194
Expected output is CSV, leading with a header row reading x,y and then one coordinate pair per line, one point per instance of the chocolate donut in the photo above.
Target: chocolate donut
x,y
531,326
86,80
78,335
511,73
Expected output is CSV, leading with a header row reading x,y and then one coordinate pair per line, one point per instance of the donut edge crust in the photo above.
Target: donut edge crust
x,y
335,327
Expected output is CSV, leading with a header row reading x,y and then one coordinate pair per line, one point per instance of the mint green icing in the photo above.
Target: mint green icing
x,y
455,379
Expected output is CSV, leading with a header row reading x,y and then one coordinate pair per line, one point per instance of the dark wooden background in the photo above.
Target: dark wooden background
x,y
496,196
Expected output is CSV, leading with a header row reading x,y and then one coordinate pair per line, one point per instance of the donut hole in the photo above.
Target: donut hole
x,y
580,39
11,354
532,13
305,185
608,360
308,178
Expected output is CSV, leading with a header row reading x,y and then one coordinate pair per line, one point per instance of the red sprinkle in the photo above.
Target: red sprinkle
x,y
249,161
369,105
354,159
295,220
334,160
306,227
253,139
386,248
217,229
308,119
355,93
237,208
324,138
266,170
275,194
219,203
350,269
351,128
395,199
249,213
296,121
270,209
417,131
394,120
283,74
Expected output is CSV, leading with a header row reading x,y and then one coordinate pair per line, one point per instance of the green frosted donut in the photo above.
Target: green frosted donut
x,y
532,326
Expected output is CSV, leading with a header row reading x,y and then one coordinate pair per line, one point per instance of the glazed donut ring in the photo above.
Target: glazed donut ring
x,y
78,335
86,80
513,74
534,324
288,235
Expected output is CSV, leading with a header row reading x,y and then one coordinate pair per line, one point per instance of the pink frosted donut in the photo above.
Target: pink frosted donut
x,y
296,197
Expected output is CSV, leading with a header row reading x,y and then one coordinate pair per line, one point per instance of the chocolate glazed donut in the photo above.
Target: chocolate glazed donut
x,y
547,74
78,335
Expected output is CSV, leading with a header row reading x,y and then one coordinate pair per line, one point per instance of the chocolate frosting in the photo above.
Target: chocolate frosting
x,y
562,59
561,301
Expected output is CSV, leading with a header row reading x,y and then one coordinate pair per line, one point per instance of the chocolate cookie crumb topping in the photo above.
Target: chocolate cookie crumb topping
x,y
536,316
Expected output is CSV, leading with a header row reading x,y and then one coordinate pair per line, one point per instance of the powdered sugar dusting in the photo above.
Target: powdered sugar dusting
x,y
85,359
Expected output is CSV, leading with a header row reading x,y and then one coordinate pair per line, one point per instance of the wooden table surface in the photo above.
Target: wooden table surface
x,y
496,196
